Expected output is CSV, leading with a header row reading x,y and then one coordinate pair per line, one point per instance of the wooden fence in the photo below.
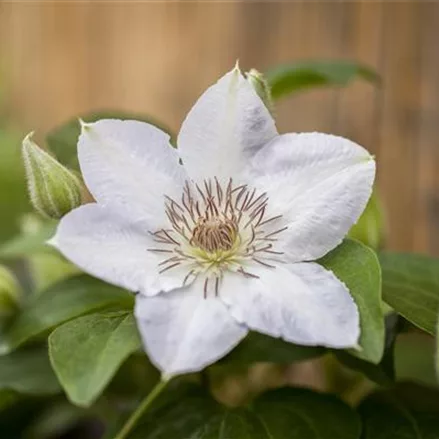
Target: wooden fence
x,y
61,59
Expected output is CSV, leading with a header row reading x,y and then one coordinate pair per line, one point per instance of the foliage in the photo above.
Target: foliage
x,y
283,413
292,78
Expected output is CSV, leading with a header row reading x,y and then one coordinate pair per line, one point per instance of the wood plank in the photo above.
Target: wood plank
x,y
426,211
156,58
400,120
359,105
315,33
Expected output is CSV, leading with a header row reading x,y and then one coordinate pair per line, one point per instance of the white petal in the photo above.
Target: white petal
x,y
184,332
320,184
130,165
301,303
104,244
228,124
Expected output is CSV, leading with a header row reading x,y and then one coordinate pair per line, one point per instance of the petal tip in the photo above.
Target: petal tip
x,y
357,347
53,242
85,126
28,138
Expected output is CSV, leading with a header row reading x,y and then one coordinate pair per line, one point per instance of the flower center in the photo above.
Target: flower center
x,y
214,234
217,227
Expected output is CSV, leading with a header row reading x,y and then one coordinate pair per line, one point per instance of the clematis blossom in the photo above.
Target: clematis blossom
x,y
220,236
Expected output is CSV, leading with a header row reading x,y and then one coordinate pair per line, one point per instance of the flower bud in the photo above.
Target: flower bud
x,y
261,87
53,189
10,293
370,228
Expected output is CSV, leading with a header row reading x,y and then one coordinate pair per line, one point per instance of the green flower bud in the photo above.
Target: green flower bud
x,y
10,293
53,189
370,228
261,87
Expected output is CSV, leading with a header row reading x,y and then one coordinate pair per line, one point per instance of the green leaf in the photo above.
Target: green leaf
x,y
357,266
292,78
62,141
7,398
49,268
370,227
62,302
406,413
411,287
436,358
280,414
87,352
28,372
26,244
382,373
414,358
13,193
57,420
258,347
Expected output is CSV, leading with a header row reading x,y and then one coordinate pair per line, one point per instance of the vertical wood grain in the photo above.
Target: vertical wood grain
x,y
58,60
400,115
426,209
359,106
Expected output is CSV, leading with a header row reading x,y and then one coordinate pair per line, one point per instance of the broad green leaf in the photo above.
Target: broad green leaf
x,y
62,302
87,352
258,347
57,421
382,373
370,227
436,358
28,243
62,141
280,414
28,372
13,194
415,358
406,413
48,268
357,266
7,398
135,376
411,287
299,76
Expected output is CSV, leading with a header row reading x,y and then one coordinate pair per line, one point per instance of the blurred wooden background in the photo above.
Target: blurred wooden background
x,y
61,59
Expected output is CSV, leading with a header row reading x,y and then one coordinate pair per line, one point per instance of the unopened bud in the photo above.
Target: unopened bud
x,y
53,189
10,293
261,87
370,228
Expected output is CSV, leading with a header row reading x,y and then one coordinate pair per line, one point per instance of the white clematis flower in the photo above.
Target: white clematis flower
x,y
223,243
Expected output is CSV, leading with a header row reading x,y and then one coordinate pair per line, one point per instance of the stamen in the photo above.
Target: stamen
x,y
216,286
166,261
219,191
257,200
276,232
269,220
170,238
273,252
217,227
205,287
263,263
168,268
187,277
160,250
246,273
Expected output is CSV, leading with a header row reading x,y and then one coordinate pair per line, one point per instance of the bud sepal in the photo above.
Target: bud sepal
x,y
261,87
54,190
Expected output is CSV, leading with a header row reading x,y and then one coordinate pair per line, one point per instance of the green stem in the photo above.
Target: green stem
x,y
141,409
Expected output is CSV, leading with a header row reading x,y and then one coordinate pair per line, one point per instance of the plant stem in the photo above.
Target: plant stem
x,y
141,409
